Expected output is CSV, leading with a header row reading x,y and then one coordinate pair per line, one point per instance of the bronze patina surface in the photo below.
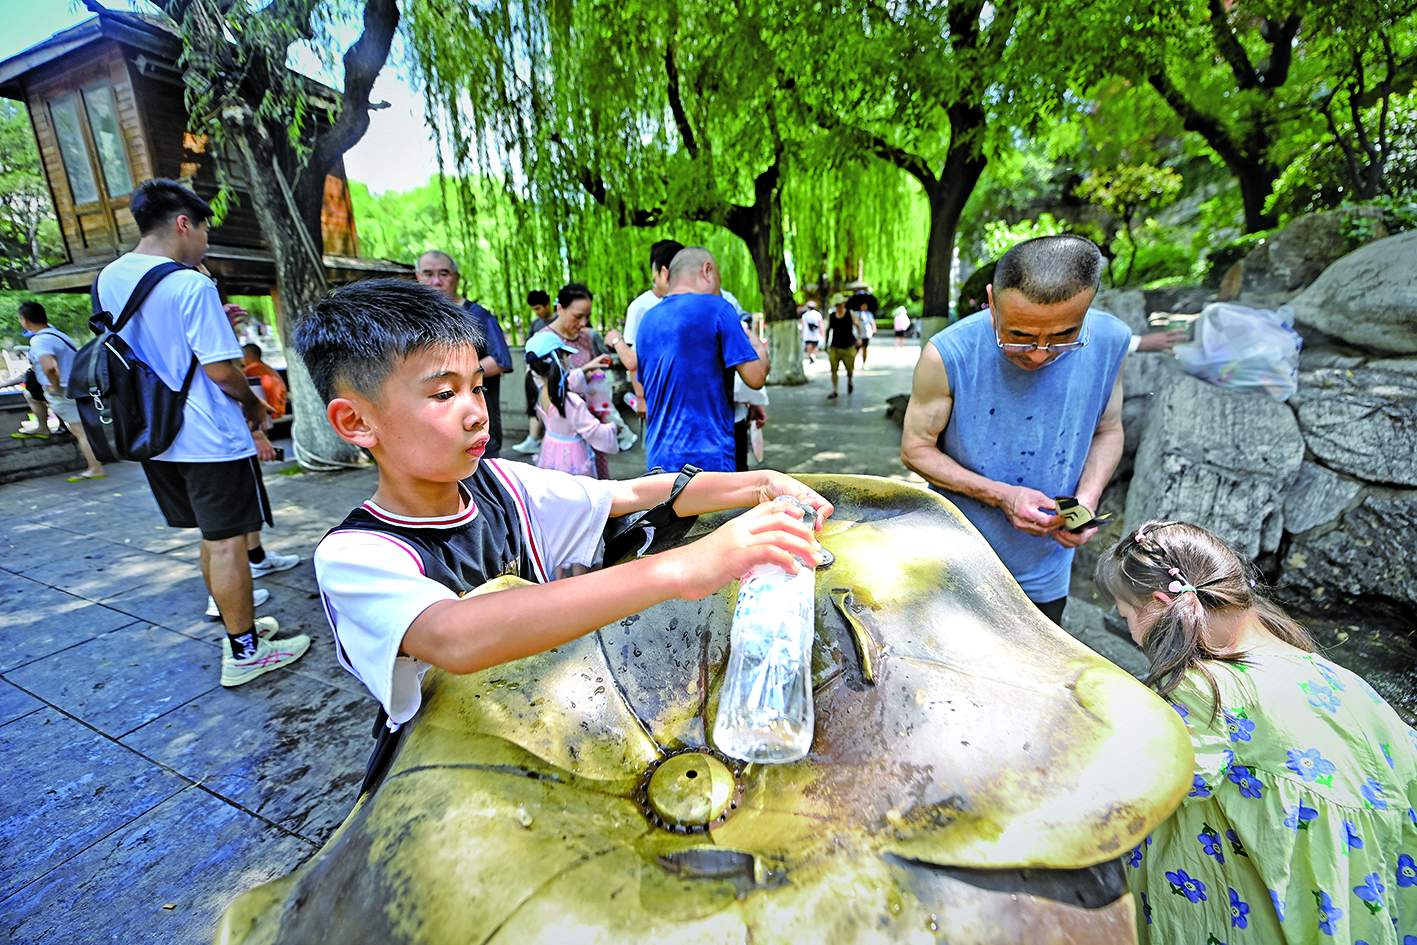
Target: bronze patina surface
x,y
974,776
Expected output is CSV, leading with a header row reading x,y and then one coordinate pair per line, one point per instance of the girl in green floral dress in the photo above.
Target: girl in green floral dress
x,y
1300,824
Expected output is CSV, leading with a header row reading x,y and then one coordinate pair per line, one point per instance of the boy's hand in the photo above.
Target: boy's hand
x,y
766,534
777,484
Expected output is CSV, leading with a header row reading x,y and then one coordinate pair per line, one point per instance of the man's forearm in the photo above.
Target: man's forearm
x,y
232,381
51,373
947,473
1102,458
707,492
490,367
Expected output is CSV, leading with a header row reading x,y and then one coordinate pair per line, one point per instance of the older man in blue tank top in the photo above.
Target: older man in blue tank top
x,y
1020,403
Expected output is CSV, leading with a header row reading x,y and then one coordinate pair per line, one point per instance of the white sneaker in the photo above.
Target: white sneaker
x,y
626,439
266,627
269,655
529,445
258,597
274,563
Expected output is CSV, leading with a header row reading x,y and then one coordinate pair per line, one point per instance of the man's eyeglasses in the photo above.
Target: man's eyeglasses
x,y
1015,348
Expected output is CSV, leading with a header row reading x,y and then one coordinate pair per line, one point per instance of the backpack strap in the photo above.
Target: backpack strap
x,y
140,293
57,335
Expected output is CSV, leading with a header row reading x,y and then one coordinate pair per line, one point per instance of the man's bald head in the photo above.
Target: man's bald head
x,y
693,270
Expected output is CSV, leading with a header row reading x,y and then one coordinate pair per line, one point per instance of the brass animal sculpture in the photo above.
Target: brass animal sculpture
x,y
974,776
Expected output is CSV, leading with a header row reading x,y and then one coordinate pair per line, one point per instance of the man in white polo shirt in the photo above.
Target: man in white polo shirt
x,y
208,478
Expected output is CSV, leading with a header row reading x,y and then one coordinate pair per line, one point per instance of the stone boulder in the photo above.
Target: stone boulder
x,y
1319,496
1143,373
1220,458
1292,258
1361,421
1366,564
1368,298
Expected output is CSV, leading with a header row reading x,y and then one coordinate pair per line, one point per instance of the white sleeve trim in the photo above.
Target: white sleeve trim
x,y
373,587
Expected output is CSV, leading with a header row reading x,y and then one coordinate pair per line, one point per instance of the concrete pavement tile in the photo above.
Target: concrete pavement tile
x,y
178,603
121,680
115,890
15,703
285,746
66,787
39,621
95,569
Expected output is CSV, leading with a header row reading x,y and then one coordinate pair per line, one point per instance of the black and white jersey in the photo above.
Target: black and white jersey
x,y
378,571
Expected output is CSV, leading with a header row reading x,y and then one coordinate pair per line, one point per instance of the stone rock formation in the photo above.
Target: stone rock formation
x,y
1368,298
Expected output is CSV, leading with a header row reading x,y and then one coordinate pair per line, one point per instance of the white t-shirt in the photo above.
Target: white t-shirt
x,y
647,300
53,342
374,583
812,325
182,317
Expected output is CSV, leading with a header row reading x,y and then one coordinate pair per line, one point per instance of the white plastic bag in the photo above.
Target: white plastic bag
x,y
1244,348
755,441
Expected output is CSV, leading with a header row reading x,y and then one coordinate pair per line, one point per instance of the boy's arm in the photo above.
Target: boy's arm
x,y
467,635
713,492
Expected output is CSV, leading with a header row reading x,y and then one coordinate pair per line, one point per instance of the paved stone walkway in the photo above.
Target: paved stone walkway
x,y
138,796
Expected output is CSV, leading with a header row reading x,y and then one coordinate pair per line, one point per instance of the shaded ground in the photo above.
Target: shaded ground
x,y
138,796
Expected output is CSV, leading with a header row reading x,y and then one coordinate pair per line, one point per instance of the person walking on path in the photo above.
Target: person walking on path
x,y
900,323
1021,403
811,331
52,356
573,435
273,389
1299,825
841,343
440,271
864,308
208,478
690,345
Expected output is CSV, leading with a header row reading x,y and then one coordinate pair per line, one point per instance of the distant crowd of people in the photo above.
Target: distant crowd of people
x,y
1299,825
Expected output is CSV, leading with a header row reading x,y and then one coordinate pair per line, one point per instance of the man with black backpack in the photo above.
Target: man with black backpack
x,y
205,475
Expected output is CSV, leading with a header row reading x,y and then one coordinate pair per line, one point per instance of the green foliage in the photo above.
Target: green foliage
x,y
29,234
1123,192
1227,254
1000,235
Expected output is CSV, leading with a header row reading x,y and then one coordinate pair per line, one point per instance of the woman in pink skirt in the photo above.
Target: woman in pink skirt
x,y
573,433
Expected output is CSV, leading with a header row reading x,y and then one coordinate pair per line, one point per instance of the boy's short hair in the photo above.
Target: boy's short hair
x,y
34,313
157,202
253,349
662,253
538,297
356,333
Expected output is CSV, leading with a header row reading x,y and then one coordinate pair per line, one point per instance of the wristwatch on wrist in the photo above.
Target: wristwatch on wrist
x,y
680,481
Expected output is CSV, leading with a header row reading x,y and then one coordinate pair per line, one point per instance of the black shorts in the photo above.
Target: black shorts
x,y
223,499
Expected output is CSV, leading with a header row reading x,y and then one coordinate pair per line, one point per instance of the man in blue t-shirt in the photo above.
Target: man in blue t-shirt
x,y
1020,404
688,347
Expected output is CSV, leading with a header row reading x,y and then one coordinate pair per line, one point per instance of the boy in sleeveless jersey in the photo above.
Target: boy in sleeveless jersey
x,y
397,365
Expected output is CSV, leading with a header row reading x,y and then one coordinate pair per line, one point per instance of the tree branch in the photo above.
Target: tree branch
x,y
1281,45
676,102
1230,48
362,62
1193,119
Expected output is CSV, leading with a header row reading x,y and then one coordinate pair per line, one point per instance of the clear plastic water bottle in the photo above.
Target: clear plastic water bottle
x,y
765,705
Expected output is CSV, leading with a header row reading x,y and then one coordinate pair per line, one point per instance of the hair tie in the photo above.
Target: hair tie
x,y
1178,587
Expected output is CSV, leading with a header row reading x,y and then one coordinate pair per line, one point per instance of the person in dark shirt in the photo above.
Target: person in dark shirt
x,y
438,270
841,342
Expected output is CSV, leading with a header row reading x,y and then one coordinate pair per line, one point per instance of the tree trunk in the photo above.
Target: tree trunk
x,y
1256,180
947,195
297,249
760,227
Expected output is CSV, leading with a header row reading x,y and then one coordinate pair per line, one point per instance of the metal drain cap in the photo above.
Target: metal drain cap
x,y
691,790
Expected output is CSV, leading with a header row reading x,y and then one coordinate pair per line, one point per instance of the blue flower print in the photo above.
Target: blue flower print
x,y
1229,757
1210,843
1372,792
1350,837
1371,892
1328,912
1181,710
1183,884
1329,676
1134,858
1249,785
1239,911
1387,756
1297,816
1406,870
1278,906
1321,697
1146,907
1198,787
1311,766
1238,725
1236,847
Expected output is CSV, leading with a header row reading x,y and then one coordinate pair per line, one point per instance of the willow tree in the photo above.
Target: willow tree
x,y
638,113
927,88
243,97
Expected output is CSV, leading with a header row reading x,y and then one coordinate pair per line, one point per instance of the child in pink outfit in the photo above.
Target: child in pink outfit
x,y
573,432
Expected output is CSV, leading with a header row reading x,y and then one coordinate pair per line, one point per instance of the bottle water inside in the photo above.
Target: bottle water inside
x,y
765,705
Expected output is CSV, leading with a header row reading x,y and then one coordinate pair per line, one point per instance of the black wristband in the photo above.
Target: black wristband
x,y
680,482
